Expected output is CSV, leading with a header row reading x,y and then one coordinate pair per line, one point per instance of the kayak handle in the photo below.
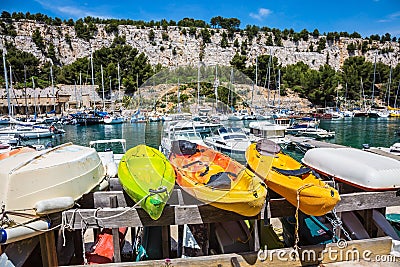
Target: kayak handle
x,y
191,163
159,190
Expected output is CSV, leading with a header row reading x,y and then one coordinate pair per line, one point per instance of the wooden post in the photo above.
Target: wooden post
x,y
165,241
115,233
78,245
48,249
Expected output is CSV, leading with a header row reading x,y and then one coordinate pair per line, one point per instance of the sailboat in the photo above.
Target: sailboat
x,y
373,113
94,117
6,120
113,118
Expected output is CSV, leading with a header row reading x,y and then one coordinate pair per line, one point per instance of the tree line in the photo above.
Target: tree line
x,y
85,27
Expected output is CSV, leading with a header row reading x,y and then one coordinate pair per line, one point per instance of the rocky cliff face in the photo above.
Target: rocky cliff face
x,y
186,49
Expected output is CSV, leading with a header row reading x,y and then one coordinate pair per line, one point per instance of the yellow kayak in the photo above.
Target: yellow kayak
x,y
216,179
289,178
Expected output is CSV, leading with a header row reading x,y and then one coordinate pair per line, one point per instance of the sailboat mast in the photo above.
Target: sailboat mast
x,y
254,86
109,77
119,84
179,108
6,79
137,84
11,90
80,83
34,96
26,100
337,95
52,87
269,75
198,87
102,86
373,82
76,94
279,88
390,81
345,98
363,94
216,84
91,66
397,92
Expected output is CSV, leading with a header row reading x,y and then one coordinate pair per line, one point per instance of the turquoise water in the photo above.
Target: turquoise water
x,y
349,132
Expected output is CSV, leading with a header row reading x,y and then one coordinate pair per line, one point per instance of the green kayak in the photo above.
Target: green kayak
x,y
148,178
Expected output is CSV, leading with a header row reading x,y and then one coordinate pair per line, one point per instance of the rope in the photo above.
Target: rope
x,y
296,231
65,224
336,221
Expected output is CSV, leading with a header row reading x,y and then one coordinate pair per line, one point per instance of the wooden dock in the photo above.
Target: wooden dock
x,y
305,143
308,142
381,152
113,209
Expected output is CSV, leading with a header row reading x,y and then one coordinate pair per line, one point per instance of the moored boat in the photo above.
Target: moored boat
x,y
287,177
356,167
228,140
113,119
216,179
39,183
147,177
266,129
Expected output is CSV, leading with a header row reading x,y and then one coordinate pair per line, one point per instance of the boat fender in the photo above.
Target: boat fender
x,y
103,185
18,233
111,169
52,205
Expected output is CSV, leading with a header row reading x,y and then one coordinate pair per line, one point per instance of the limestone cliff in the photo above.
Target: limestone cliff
x,y
171,47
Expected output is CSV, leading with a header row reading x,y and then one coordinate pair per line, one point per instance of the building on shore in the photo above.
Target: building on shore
x,y
62,99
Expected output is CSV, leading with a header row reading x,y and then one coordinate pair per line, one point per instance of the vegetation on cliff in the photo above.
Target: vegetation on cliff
x,y
353,81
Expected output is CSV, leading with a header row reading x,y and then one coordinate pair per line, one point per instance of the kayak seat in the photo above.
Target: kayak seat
x,y
298,172
220,180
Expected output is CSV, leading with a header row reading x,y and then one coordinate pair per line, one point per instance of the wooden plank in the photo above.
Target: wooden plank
x,y
102,198
18,252
130,217
115,232
193,214
382,153
165,232
115,185
324,254
182,213
48,249
368,200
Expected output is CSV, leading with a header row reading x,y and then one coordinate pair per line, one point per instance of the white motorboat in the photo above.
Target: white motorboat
x,y
43,182
228,140
356,167
184,130
30,132
110,152
309,129
266,129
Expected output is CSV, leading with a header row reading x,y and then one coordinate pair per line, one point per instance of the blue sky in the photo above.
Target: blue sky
x,y
364,16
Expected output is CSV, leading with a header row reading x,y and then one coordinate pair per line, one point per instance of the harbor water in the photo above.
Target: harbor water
x,y
353,132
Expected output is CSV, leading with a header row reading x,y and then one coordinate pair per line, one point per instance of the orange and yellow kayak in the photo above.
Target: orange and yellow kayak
x,y
216,179
289,178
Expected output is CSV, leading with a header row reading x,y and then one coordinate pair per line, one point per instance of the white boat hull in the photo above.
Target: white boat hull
x,y
64,171
356,167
